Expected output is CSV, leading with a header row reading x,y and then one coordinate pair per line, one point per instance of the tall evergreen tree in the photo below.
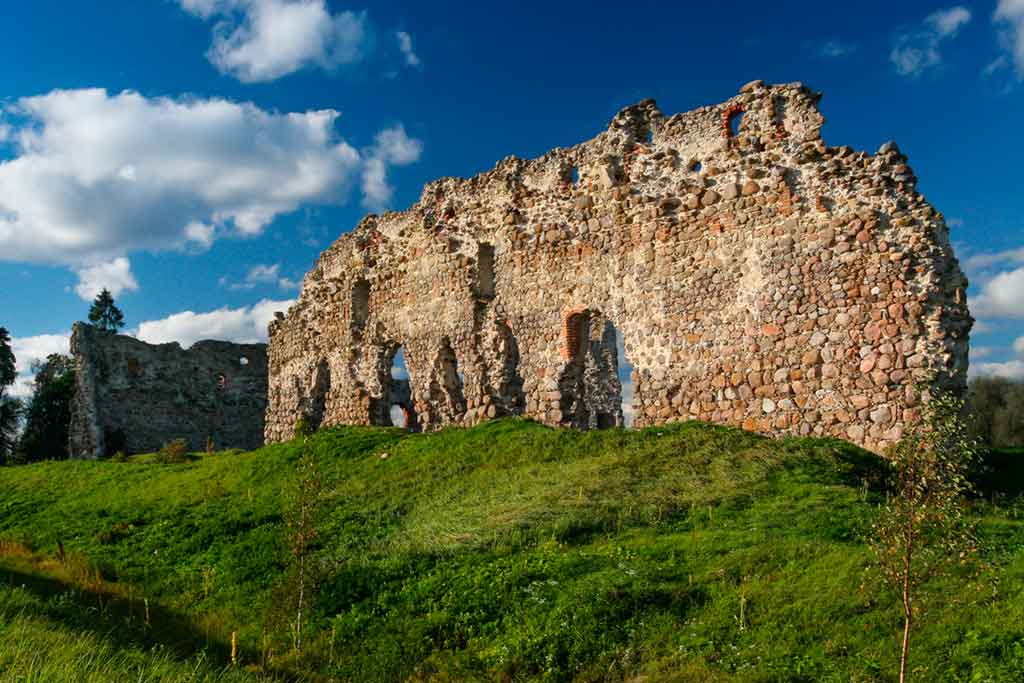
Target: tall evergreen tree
x,y
48,414
104,313
10,408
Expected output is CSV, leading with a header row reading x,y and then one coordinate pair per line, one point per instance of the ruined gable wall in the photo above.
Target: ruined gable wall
x,y
761,279
155,393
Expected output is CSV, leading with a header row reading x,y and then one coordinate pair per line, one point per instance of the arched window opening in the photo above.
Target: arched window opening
x,y
243,361
398,369
397,399
734,123
730,121
485,271
360,307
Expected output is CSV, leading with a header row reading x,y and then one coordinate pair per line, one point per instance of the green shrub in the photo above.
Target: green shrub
x,y
173,452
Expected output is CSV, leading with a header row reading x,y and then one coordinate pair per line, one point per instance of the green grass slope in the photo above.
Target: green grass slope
x,y
505,552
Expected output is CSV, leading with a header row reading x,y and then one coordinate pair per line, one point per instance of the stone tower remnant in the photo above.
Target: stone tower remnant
x,y
134,396
756,277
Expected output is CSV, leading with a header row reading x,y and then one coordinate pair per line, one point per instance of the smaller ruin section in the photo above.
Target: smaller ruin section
x,y
134,397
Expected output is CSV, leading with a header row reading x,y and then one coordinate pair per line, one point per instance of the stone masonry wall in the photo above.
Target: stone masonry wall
x,y
757,276
136,396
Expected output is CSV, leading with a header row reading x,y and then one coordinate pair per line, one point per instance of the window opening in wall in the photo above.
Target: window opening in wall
x,y
695,166
734,123
650,136
360,306
575,177
485,271
398,369
243,361
398,393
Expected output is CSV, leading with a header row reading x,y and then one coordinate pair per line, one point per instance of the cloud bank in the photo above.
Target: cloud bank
x,y
96,176
245,325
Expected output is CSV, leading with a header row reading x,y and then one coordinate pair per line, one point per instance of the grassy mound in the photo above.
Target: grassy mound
x,y
505,552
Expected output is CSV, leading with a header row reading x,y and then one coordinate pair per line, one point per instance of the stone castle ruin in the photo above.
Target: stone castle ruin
x,y
756,276
134,397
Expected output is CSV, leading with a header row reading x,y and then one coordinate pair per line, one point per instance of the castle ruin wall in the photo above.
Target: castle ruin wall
x,y
755,275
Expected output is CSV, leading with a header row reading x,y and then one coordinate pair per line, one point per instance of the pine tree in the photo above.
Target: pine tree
x,y
104,313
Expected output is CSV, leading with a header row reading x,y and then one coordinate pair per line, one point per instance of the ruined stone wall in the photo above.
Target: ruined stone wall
x,y
135,396
757,277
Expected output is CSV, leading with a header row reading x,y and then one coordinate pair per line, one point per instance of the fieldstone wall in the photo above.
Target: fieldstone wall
x,y
135,396
757,277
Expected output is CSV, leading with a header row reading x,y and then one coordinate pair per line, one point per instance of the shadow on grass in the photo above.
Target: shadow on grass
x,y
115,617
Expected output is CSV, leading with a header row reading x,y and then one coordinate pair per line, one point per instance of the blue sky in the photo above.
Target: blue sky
x,y
195,156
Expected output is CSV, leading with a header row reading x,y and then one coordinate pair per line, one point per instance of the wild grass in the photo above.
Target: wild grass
x,y
505,552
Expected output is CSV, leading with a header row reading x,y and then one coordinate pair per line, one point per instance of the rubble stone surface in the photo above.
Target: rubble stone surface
x,y
135,397
756,276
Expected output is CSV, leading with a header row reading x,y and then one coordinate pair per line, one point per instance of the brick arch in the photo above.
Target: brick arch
x,y
572,330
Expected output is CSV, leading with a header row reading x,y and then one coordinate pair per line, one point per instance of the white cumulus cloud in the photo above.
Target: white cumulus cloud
x,y
392,147
987,259
29,350
115,276
1000,297
1009,16
97,175
262,40
917,51
1011,369
245,325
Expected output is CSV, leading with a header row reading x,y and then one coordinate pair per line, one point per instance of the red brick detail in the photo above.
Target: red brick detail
x,y
727,116
572,329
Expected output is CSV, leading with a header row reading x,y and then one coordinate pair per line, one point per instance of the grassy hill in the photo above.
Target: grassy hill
x,y
505,552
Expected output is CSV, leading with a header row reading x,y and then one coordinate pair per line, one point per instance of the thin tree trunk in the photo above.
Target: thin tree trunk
x,y
908,609
298,620
906,648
